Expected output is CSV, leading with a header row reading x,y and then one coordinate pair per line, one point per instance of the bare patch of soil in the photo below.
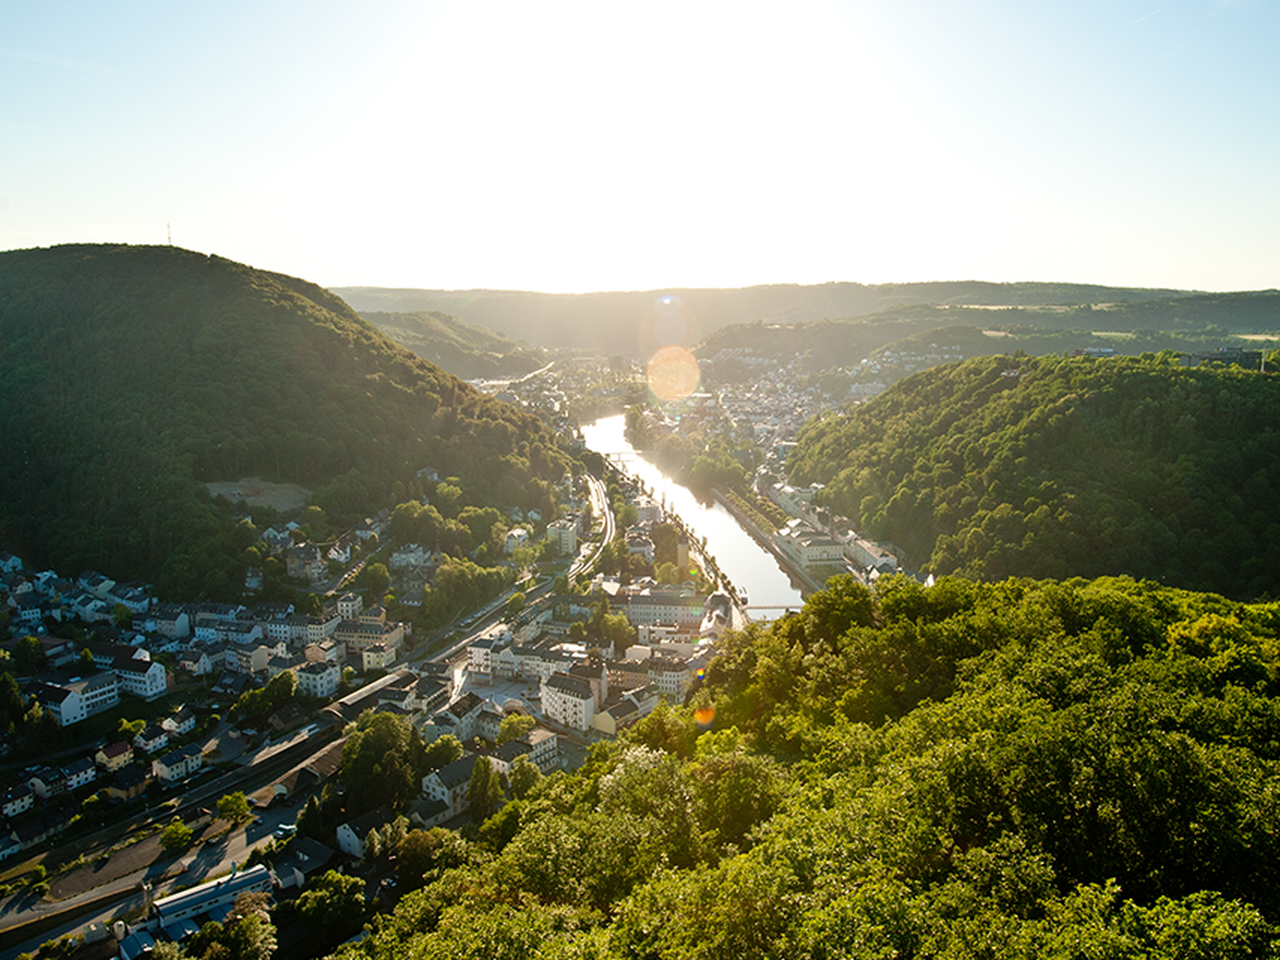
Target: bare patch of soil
x,y
257,492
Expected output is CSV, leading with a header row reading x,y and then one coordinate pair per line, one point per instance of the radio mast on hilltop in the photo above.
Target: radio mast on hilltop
x,y
169,228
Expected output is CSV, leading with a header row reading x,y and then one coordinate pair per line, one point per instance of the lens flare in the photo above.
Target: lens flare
x,y
673,374
704,716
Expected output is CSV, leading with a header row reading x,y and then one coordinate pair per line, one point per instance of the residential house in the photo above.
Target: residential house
x,y
48,782
127,783
353,833
181,722
319,679
152,739
177,764
17,799
80,773
451,784
114,756
377,657
302,860
196,661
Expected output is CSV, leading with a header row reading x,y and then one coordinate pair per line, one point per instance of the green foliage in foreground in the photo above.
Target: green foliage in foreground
x,y
1022,769
1003,466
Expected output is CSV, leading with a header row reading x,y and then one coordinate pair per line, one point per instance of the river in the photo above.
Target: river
x,y
750,566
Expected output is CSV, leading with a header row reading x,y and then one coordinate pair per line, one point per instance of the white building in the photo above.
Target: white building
x,y
569,701
319,679
564,535
78,698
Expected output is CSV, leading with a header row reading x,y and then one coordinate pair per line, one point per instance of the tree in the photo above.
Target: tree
x,y
514,726
176,836
382,763
331,908
377,579
372,845
524,776
394,832
128,729
28,655
423,851
248,933
484,792
515,604
311,821
443,750
86,662
234,808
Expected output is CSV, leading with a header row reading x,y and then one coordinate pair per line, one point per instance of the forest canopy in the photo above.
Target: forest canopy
x,y
1052,466
1019,769
129,375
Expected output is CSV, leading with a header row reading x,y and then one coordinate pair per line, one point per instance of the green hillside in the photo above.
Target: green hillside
x,y
1015,770
461,348
626,322
128,375
1002,466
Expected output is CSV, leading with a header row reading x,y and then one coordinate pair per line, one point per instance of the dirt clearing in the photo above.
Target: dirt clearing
x,y
257,492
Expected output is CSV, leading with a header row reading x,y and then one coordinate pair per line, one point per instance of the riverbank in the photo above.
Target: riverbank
x,y
739,557
765,539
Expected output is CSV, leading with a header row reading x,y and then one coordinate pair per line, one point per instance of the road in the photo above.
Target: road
x,y
204,862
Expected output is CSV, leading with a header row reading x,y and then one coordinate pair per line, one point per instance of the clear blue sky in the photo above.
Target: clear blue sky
x,y
593,146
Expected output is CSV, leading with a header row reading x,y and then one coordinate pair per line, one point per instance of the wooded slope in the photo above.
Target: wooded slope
x,y
1047,466
1023,769
461,348
129,374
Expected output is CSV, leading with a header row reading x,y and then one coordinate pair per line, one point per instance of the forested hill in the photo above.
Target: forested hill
x,y
624,322
128,375
1002,466
1018,770
461,348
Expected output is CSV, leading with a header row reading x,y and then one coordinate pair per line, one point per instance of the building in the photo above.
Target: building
x,y
80,697
569,701
114,756
212,895
141,678
181,722
177,764
563,534
451,784
319,679
353,833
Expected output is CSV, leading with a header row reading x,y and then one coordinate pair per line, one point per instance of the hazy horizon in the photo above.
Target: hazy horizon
x,y
580,148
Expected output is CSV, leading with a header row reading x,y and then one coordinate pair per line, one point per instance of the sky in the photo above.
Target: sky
x,y
574,147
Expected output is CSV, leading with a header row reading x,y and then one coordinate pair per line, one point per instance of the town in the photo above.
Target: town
x,y
150,721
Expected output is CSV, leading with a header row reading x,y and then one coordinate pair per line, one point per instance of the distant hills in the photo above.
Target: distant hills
x,y
1189,323
631,323
1006,466
129,375
461,348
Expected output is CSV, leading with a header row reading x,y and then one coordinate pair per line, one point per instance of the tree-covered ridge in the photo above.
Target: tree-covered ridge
x,y
460,348
1022,769
129,374
1003,466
